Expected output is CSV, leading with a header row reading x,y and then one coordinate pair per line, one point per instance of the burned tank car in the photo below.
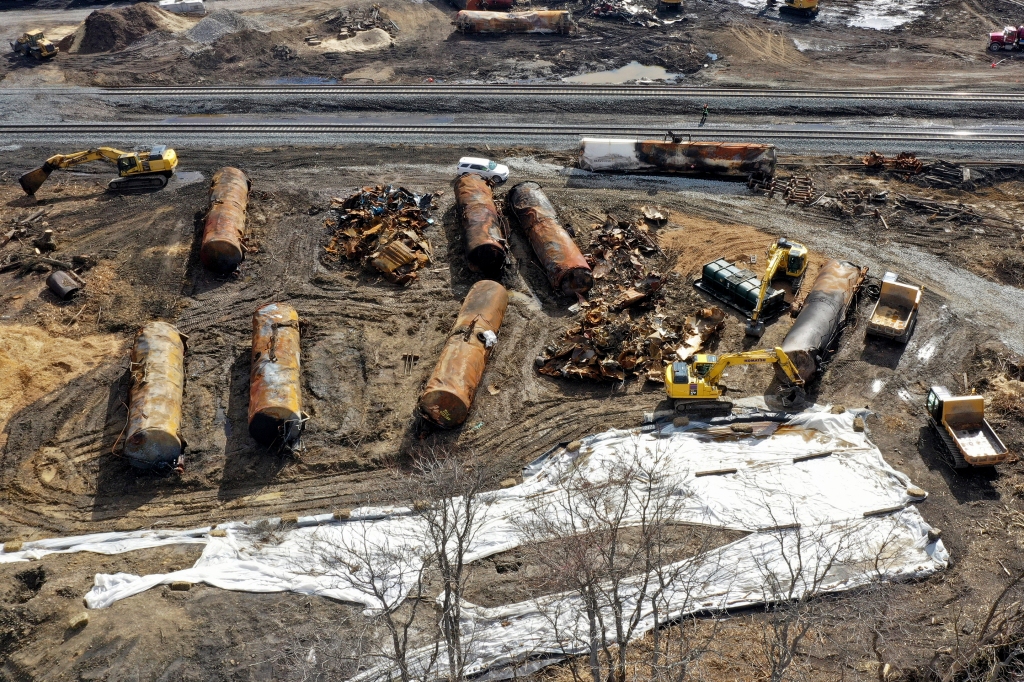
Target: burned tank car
x,y
821,319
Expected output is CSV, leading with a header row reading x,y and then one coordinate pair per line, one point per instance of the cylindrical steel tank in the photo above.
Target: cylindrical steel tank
x,y
541,21
62,284
821,318
729,159
566,268
485,241
275,394
153,437
224,229
448,395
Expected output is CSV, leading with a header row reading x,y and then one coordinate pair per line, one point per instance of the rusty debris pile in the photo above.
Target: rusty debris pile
x,y
904,162
620,332
383,228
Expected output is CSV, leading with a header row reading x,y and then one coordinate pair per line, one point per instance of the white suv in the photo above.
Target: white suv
x,y
488,170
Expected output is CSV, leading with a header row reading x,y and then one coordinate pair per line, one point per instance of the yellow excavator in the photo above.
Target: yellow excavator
x,y
137,170
694,386
803,8
784,258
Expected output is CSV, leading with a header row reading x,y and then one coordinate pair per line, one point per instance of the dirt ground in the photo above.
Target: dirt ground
x,y
859,44
64,408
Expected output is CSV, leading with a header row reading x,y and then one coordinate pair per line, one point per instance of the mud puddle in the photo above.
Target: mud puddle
x,y
634,71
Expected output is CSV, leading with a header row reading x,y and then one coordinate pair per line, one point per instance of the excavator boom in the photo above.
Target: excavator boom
x,y
696,384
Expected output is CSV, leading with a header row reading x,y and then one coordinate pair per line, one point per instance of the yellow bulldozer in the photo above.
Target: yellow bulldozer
x,y
695,388
136,170
34,44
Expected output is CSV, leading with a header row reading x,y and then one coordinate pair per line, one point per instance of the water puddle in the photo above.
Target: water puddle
x,y
182,178
624,74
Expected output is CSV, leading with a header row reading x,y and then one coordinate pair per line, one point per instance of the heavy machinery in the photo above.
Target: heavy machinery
x,y
965,437
694,386
741,288
803,8
34,44
137,170
1007,39
895,312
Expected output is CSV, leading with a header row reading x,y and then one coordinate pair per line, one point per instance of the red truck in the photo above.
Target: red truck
x,y
1007,39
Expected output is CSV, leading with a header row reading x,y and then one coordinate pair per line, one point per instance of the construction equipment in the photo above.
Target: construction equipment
x,y
32,43
803,8
670,5
1007,39
895,313
742,289
695,389
965,437
137,170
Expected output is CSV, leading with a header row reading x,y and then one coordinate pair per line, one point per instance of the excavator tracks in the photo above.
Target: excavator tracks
x,y
143,183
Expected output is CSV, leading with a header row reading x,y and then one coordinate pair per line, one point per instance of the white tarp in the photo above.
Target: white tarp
x,y
828,496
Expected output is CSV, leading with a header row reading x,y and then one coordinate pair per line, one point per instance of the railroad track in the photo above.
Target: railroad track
x,y
513,90
115,130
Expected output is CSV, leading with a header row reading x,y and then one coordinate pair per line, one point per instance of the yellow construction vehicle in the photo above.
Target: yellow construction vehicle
x,y
137,170
784,258
804,8
695,389
33,43
670,5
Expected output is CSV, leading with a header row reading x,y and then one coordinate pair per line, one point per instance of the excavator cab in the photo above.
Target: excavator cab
x,y
796,264
126,162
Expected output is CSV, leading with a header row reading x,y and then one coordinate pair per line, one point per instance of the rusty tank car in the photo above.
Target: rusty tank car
x,y
448,395
486,247
153,436
542,21
725,159
224,229
275,393
822,317
564,263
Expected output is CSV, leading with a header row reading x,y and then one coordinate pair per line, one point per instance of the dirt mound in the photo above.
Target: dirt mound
x,y
36,364
110,30
220,23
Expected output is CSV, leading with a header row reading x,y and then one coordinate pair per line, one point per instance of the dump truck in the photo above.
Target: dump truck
x,y
34,44
895,313
1007,39
965,437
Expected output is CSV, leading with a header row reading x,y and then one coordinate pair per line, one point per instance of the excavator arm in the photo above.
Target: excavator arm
x,y
774,261
34,179
768,356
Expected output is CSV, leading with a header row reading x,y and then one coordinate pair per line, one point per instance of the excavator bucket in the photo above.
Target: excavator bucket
x,y
754,328
34,179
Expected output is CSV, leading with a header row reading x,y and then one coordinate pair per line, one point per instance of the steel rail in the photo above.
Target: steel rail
x,y
199,128
563,90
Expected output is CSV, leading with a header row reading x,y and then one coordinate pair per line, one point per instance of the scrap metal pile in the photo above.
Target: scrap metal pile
x,y
383,228
620,332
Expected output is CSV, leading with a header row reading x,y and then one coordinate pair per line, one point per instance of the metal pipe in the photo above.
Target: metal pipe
x,y
543,21
730,159
153,437
224,229
449,392
275,394
821,319
486,248
566,268
62,284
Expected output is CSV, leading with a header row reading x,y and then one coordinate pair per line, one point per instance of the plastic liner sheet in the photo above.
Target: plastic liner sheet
x,y
838,497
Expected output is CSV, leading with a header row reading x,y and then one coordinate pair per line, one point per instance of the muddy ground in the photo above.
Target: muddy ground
x,y
60,472
855,44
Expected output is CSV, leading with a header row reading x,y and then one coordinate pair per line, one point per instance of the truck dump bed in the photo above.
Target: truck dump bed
x,y
965,422
895,309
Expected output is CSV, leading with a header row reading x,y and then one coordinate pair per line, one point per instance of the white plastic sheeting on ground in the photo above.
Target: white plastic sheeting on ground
x,y
838,498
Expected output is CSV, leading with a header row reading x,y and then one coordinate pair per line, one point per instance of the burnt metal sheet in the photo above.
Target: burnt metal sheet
x,y
224,228
543,21
153,435
821,319
564,264
448,395
715,158
486,248
62,284
275,394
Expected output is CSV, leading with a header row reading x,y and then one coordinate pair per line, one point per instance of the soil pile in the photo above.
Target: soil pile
x,y
220,23
110,30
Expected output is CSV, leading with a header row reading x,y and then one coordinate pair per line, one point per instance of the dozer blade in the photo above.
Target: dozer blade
x,y
33,180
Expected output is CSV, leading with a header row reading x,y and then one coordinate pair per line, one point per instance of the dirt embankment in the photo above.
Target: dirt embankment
x,y
110,30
